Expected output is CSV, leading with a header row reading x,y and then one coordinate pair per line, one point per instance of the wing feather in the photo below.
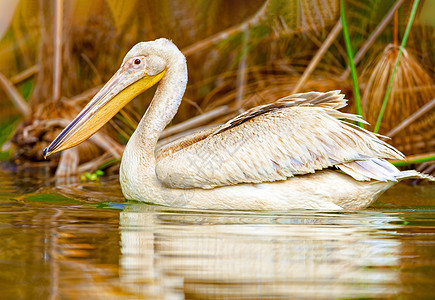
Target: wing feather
x,y
295,135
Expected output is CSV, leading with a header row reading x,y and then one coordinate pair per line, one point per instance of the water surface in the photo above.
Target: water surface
x,y
81,240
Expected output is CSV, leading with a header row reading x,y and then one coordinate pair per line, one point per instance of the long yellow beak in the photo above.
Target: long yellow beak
x,y
116,93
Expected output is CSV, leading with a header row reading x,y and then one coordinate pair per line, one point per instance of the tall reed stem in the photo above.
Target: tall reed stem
x,y
57,72
351,63
402,46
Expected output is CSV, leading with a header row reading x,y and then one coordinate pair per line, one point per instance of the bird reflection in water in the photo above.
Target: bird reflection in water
x,y
198,254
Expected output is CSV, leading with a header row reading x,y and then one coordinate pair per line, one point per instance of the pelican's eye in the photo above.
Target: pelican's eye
x,y
137,61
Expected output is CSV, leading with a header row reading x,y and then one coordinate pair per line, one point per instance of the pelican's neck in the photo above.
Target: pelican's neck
x,y
138,166
162,109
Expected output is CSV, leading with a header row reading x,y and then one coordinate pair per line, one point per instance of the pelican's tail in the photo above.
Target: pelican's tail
x,y
409,174
379,169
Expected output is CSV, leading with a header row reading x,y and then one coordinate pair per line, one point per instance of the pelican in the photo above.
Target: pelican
x,y
298,152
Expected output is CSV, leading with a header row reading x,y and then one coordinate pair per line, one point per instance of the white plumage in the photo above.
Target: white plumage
x,y
297,135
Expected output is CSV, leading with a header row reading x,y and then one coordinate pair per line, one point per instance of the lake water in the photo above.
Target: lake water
x,y
82,241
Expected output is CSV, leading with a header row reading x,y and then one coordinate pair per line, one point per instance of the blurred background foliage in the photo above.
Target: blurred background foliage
x,y
240,54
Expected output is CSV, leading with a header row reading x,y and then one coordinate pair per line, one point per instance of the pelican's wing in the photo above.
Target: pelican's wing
x,y
295,135
183,142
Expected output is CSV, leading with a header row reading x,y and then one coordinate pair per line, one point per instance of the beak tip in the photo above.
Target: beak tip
x,y
46,153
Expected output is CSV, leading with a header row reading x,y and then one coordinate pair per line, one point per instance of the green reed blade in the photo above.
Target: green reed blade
x,y
390,83
414,161
351,63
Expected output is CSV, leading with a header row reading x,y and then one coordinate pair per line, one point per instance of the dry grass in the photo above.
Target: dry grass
x,y
283,37
412,88
267,84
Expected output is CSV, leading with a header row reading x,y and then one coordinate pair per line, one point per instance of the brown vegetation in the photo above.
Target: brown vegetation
x,y
238,55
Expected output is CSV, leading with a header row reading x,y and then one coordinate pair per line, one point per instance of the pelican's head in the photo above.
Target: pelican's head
x,y
143,66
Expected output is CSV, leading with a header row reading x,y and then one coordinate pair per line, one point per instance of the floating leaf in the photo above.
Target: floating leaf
x,y
50,198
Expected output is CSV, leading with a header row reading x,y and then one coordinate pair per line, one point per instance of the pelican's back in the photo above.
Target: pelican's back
x,y
295,135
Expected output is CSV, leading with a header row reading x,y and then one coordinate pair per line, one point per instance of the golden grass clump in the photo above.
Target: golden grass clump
x,y
412,88
266,84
